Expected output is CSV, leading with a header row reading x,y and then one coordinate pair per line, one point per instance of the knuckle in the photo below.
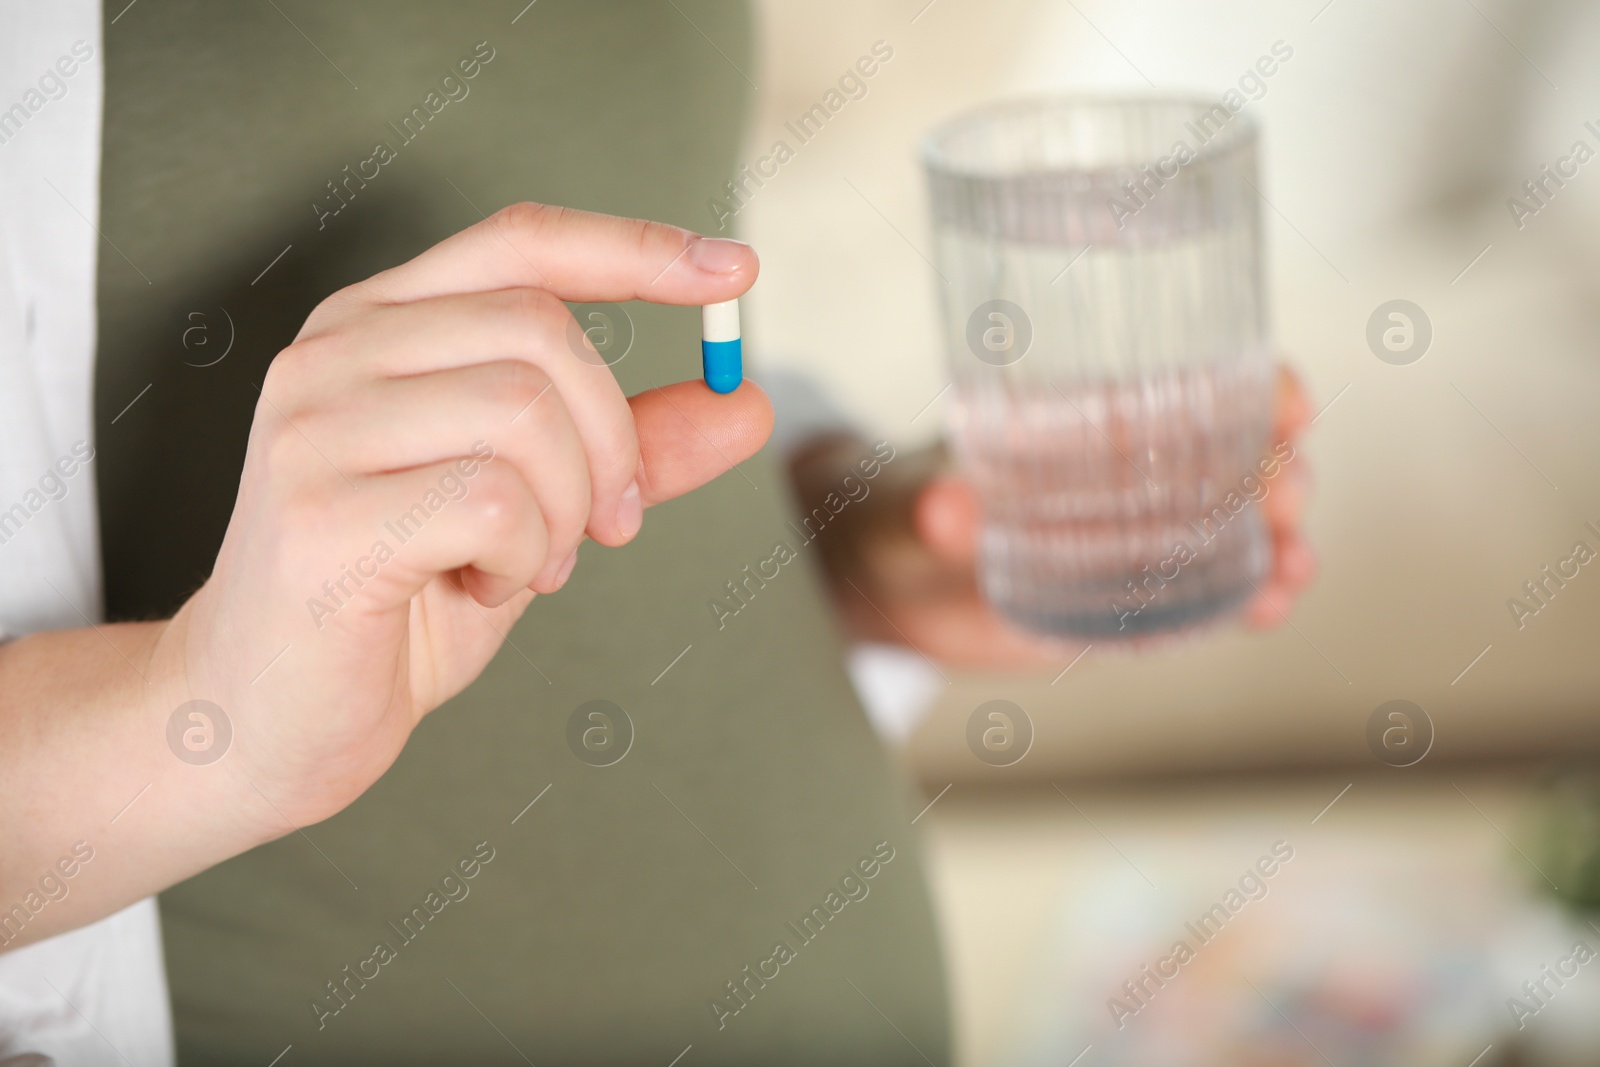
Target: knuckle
x,y
526,216
274,442
287,368
515,384
499,507
653,236
643,231
535,307
295,365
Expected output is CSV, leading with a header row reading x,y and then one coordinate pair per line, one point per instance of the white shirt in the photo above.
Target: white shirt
x,y
98,994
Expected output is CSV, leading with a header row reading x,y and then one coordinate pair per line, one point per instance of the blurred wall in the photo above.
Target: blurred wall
x,y
1386,112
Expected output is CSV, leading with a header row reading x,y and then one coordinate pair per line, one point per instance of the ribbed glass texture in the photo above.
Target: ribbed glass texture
x,y
1101,290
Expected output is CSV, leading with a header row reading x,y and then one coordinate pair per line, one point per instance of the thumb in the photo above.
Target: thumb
x,y
688,435
946,518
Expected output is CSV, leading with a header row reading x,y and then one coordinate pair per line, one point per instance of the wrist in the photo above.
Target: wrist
x,y
198,722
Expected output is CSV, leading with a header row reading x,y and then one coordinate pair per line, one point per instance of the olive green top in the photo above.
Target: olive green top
x,y
753,826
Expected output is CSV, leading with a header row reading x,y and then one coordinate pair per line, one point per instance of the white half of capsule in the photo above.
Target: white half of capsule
x,y
720,322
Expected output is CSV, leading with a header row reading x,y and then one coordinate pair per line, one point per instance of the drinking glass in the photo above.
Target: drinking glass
x,y
1100,268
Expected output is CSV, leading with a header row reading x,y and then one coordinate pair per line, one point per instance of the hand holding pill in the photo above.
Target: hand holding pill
x,y
404,382
425,457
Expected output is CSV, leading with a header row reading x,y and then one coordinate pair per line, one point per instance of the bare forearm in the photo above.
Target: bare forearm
x,y
96,809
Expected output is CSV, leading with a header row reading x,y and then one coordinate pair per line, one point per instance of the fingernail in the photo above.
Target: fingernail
x,y
566,569
718,255
630,511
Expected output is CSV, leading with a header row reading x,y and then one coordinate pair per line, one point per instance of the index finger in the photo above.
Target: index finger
x,y
577,256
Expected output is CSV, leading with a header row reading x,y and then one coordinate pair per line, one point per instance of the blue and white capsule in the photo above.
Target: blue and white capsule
x,y
721,350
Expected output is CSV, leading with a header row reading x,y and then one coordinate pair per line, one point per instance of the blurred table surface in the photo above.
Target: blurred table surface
x,y
1410,911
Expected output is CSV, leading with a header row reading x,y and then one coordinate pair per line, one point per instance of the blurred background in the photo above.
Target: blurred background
x,y
1430,913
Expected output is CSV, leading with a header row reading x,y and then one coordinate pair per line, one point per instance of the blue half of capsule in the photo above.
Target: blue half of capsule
x,y
723,364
